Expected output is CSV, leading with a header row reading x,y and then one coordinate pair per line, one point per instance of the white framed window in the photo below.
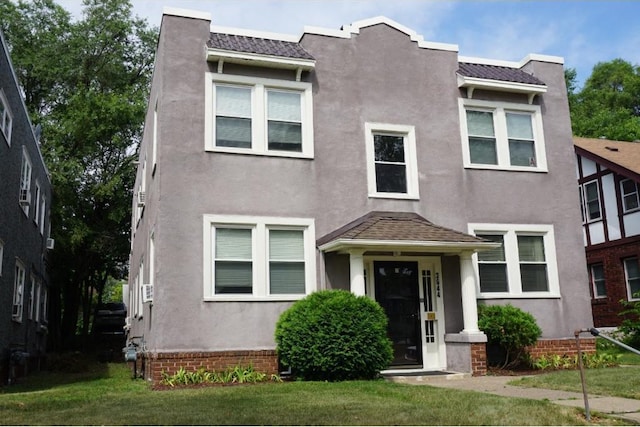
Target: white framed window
x,y
18,292
140,289
523,267
154,139
258,258
43,206
596,278
25,182
6,119
258,116
37,303
630,195
590,201
632,277
36,203
44,307
392,166
500,135
32,301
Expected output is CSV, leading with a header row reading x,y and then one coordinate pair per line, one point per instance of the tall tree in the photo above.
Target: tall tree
x,y
609,103
86,82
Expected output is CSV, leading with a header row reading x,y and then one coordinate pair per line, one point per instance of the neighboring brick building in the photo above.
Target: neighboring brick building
x,y
609,181
365,159
25,198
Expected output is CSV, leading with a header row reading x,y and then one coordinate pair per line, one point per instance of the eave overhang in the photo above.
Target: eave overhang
x,y
347,245
473,83
269,61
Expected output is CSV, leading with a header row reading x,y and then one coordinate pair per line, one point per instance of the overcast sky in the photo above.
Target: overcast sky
x,y
583,32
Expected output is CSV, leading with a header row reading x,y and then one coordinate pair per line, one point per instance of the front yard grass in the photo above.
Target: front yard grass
x,y
621,381
108,396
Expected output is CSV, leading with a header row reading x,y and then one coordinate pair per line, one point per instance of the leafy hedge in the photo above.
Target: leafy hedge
x,y
334,335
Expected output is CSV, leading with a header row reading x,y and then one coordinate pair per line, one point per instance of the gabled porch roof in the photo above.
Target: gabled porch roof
x,y
406,231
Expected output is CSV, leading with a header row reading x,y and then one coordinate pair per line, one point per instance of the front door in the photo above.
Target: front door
x,y
397,291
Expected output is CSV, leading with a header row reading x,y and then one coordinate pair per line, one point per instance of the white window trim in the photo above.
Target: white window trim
x,y
27,181
585,207
622,195
35,200
626,278
16,285
7,111
500,129
32,296
510,233
260,244
593,282
410,157
259,114
154,138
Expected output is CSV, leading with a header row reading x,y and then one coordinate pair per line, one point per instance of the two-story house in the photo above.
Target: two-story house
x,y
25,197
609,182
365,159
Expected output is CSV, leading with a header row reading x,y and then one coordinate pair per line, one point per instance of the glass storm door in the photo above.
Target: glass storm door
x,y
397,291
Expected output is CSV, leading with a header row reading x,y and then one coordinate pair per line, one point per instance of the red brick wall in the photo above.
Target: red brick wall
x,y
478,359
265,361
562,347
605,310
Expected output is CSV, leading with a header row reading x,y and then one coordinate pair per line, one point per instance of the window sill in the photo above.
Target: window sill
x,y
630,211
524,295
250,152
506,168
400,196
250,298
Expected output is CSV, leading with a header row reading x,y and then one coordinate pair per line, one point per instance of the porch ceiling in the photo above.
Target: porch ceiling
x,y
406,231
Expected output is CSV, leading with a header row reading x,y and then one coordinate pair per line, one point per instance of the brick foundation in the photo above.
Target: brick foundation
x,y
562,347
265,361
478,359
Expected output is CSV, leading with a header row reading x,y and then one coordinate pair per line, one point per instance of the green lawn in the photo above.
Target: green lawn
x,y
107,395
621,382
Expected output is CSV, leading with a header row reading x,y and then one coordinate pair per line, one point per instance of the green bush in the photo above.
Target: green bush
x,y
630,326
509,328
334,335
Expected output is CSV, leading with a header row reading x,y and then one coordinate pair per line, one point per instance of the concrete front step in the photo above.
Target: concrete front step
x,y
424,377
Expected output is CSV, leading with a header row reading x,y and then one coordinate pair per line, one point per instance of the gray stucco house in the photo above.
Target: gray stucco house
x,y
365,159
25,197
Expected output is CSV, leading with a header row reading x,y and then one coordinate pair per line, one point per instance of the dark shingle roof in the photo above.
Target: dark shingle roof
x,y
401,226
496,72
257,45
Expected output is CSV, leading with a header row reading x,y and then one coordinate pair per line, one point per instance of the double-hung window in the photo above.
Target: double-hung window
x,y
18,292
248,258
392,168
523,266
596,277
25,183
502,136
632,277
258,116
630,195
590,202
5,118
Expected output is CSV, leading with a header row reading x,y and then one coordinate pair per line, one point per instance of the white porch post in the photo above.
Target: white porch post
x,y
469,303
356,269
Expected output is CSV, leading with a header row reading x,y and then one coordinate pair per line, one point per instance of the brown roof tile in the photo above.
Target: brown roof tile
x,y
495,72
614,154
257,45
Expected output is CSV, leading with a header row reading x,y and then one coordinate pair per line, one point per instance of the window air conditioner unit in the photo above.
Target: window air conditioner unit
x,y
147,293
141,198
15,312
24,197
50,243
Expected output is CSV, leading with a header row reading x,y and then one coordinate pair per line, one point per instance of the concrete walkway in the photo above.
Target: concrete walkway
x,y
628,409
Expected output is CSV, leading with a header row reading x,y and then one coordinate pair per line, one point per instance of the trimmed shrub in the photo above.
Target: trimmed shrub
x,y
509,328
630,326
334,335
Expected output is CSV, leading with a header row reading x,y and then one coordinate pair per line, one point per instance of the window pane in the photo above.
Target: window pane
x,y
630,202
285,136
632,271
630,194
534,277
531,248
233,132
389,148
522,153
233,101
391,178
597,278
286,278
284,106
519,126
233,243
480,123
496,254
483,151
286,245
233,277
493,277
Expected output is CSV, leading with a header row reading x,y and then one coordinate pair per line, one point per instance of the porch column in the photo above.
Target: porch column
x,y
469,302
356,271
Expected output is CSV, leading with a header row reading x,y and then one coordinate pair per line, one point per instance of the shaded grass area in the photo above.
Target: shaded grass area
x,y
620,382
109,396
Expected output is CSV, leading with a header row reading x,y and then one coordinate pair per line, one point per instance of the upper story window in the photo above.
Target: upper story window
x,y
632,277
630,195
392,167
5,118
590,201
18,292
25,183
523,266
596,277
258,116
252,258
502,136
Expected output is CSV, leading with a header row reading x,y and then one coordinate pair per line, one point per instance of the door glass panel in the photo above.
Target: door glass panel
x,y
396,287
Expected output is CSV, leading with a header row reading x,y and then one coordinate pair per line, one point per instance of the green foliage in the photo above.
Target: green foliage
x,y
630,326
609,103
237,375
589,360
510,328
334,335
